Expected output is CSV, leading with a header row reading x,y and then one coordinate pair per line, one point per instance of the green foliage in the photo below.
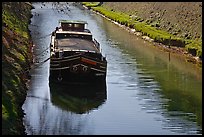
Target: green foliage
x,y
119,17
9,112
90,4
15,56
15,23
195,45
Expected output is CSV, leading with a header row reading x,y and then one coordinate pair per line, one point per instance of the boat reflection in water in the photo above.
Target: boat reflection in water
x,y
78,98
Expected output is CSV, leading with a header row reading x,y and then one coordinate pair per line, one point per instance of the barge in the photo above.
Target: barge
x,y
75,56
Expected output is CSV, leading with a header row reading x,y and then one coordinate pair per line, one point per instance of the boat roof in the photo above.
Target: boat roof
x,y
76,44
73,21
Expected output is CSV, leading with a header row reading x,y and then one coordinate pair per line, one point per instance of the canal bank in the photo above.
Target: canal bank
x,y
151,30
16,64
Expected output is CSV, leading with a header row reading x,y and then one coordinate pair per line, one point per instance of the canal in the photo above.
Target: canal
x,y
147,91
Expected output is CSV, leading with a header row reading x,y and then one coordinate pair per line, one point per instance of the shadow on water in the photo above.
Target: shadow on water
x,y
78,98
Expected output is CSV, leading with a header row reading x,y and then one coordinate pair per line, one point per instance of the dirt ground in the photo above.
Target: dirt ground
x,y
183,19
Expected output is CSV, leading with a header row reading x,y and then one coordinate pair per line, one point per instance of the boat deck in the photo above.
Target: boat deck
x,y
72,44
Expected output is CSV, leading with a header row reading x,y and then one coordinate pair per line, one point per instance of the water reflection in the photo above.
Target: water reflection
x,y
78,98
167,85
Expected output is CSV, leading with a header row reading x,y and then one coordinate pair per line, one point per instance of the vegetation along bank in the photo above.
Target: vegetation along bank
x,y
16,63
174,26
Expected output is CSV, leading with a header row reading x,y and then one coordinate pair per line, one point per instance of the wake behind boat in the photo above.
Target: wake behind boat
x,y
75,55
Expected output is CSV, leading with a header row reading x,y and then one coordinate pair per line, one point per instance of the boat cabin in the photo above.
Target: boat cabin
x,y
73,29
68,25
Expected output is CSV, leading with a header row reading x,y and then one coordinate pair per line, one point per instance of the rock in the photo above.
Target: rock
x,y
147,38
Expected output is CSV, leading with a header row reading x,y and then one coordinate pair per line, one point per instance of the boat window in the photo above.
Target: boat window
x,y
67,26
88,37
76,25
70,26
79,26
62,36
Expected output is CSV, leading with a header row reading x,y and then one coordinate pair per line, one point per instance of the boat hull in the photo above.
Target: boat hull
x,y
77,68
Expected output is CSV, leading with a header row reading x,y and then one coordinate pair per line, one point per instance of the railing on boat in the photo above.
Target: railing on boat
x,y
96,44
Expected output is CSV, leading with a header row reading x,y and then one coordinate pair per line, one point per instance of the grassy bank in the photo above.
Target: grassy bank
x,y
193,47
16,62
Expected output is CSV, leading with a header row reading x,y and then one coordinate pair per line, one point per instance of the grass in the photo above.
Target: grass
x,y
196,46
15,24
148,30
15,59
91,4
